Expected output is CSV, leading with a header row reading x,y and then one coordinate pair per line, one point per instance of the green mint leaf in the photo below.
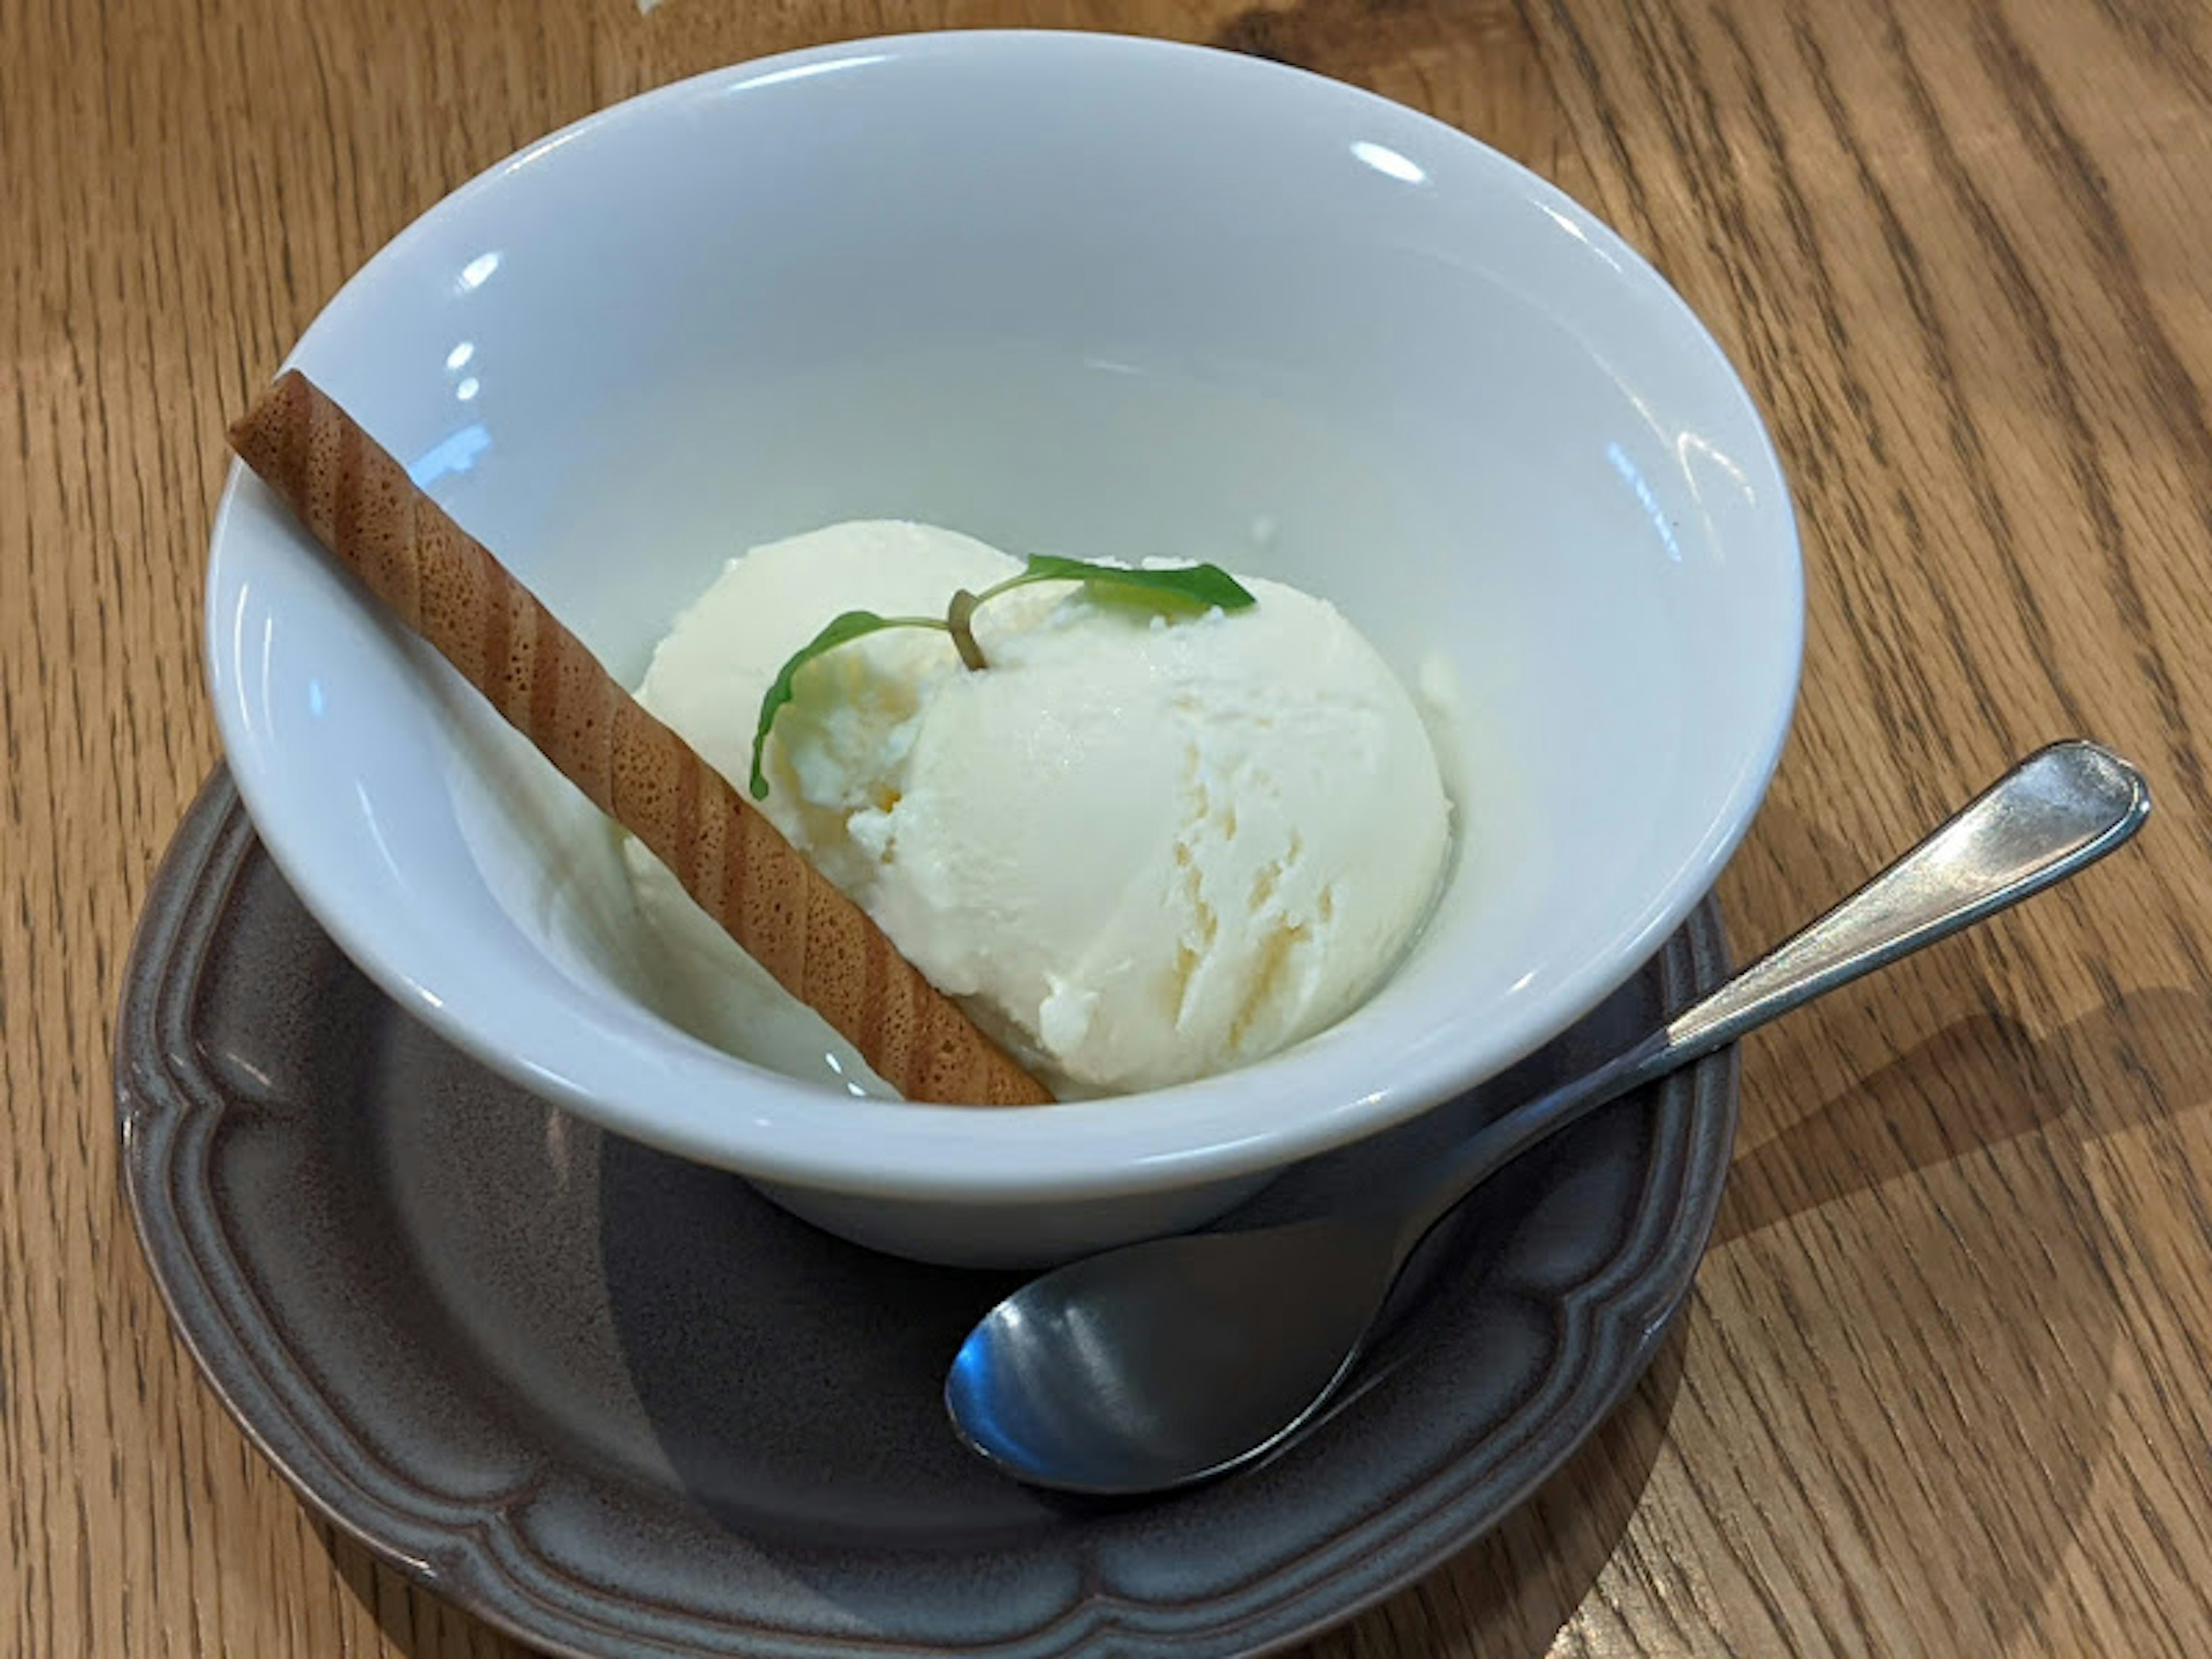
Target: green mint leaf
x,y
1192,584
839,630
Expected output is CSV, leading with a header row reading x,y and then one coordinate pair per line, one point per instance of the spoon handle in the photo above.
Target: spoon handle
x,y
2056,813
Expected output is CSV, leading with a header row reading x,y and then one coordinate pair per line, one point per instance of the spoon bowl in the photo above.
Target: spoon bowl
x,y
1064,1389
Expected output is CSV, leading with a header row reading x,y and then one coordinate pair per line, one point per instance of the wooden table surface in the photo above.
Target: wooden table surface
x,y
1946,1386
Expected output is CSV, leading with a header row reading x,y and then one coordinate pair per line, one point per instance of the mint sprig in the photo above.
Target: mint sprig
x,y
1202,585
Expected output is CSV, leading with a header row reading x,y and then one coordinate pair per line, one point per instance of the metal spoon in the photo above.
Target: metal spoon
x,y
1161,1363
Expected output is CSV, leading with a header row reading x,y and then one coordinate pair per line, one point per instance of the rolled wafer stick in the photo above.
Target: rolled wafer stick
x,y
361,506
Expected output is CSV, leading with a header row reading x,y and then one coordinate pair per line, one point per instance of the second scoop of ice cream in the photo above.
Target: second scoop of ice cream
x,y
1147,847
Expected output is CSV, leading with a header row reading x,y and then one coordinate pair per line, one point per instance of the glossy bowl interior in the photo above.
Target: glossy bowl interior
x,y
1066,292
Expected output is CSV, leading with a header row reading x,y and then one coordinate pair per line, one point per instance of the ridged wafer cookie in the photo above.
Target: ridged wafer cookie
x,y
361,506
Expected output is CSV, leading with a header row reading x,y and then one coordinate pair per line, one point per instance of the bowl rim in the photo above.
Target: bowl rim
x,y
800,1134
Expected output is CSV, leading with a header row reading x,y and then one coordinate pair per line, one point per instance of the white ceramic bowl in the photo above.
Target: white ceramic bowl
x,y
1073,292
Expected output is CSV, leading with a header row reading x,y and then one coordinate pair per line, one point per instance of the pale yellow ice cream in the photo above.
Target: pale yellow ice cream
x,y
1145,847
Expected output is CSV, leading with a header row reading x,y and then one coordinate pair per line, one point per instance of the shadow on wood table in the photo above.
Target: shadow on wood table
x,y
1944,1244
1508,1594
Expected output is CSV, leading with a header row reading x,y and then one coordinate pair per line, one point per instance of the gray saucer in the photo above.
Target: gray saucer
x,y
616,1404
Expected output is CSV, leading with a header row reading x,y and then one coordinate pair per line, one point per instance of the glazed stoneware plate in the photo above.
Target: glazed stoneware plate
x,y
615,1403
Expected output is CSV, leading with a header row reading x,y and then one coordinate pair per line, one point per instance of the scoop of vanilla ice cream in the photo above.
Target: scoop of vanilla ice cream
x,y
1145,847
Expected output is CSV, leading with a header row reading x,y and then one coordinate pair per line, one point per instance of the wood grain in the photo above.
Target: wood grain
x,y
1947,1385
